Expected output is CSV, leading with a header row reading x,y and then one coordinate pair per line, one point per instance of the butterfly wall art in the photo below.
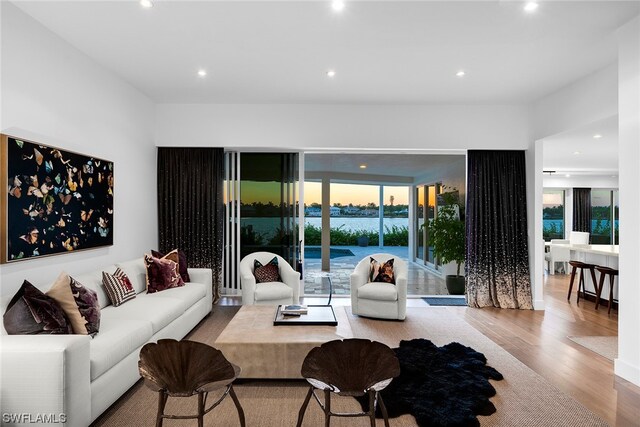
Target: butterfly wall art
x,y
57,201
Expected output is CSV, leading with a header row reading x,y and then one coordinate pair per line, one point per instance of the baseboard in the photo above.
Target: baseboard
x,y
627,371
538,304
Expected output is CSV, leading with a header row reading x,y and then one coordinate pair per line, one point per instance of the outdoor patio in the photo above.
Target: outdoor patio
x,y
420,281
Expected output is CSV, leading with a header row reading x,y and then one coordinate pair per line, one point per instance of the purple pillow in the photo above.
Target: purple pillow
x,y
162,274
87,302
32,312
182,263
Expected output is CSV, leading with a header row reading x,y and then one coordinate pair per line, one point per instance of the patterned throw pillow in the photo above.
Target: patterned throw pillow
x,y
182,263
266,273
373,269
384,272
78,303
118,286
32,312
162,274
88,305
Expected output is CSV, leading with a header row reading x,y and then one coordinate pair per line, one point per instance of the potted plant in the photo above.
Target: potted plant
x,y
447,236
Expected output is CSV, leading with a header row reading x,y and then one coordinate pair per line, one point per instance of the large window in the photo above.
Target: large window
x,y
604,208
553,214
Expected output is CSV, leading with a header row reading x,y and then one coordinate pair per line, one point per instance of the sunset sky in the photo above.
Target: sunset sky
x,y
265,192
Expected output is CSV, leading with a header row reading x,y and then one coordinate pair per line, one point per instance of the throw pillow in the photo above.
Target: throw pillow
x,y
162,274
385,273
88,305
182,263
30,311
118,287
266,273
374,266
175,257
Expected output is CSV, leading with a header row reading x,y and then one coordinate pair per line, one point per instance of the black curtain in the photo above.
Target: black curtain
x,y
497,262
191,206
582,209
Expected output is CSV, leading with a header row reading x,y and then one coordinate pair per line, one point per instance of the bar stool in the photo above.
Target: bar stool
x,y
582,266
612,272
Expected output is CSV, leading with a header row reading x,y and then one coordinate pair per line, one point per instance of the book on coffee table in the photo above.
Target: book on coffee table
x,y
294,309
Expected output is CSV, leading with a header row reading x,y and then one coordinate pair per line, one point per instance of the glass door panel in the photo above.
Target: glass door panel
x,y
430,216
420,232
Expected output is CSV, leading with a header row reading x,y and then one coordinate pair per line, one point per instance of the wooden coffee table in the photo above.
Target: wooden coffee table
x,y
263,350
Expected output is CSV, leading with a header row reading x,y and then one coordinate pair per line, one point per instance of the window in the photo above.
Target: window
x,y
553,214
604,231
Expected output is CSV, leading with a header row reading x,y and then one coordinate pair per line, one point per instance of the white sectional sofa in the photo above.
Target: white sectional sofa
x,y
81,377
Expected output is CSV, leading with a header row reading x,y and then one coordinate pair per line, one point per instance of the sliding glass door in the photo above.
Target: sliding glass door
x,y
427,208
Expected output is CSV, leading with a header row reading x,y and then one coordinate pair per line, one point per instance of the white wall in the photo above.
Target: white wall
x,y
579,181
585,101
627,365
54,94
390,127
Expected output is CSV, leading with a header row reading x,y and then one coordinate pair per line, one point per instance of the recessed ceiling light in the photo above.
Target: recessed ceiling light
x,y
531,6
568,176
202,73
597,136
363,166
337,5
331,73
460,73
576,153
147,4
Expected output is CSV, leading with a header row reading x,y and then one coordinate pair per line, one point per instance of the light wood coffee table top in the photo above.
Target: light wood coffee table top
x,y
263,350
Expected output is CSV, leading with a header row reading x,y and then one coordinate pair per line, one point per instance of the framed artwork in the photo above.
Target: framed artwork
x,y
53,201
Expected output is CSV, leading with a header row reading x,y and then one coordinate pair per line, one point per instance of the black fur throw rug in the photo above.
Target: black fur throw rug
x,y
440,386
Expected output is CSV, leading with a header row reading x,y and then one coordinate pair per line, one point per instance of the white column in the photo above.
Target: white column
x,y
627,365
381,218
326,224
533,158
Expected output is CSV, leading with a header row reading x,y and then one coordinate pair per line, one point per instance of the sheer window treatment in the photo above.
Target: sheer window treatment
x,y
191,206
497,261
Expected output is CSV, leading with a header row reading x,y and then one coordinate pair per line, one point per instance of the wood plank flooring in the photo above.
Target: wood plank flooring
x,y
539,340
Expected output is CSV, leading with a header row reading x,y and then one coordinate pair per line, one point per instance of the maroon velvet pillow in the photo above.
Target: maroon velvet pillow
x,y
162,274
182,263
266,273
32,312
87,302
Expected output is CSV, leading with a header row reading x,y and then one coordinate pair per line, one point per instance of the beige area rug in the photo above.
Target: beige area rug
x,y
604,346
523,398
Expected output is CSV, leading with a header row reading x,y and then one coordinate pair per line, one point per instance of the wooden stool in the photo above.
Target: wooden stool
x,y
612,275
582,266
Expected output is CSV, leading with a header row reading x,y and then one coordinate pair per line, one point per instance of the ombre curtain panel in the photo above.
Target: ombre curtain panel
x,y
191,206
582,209
497,261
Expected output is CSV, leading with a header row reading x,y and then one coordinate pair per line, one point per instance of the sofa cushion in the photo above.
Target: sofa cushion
x,y
136,272
378,291
272,291
118,337
189,294
93,280
160,311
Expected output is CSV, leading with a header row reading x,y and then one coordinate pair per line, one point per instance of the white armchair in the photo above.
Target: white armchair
x,y
557,254
269,293
379,300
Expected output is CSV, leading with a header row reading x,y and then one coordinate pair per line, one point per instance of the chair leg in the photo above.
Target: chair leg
x,y
162,401
573,276
383,409
372,407
327,408
201,409
611,279
304,407
599,289
232,393
552,267
580,284
593,280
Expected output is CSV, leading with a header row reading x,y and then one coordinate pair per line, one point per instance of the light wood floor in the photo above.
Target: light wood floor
x,y
539,340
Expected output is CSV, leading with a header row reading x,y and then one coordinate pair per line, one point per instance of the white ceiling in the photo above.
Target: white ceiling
x,y
383,51
382,164
596,156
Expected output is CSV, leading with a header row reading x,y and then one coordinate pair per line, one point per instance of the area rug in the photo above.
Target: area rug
x,y
440,301
440,386
523,398
604,346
